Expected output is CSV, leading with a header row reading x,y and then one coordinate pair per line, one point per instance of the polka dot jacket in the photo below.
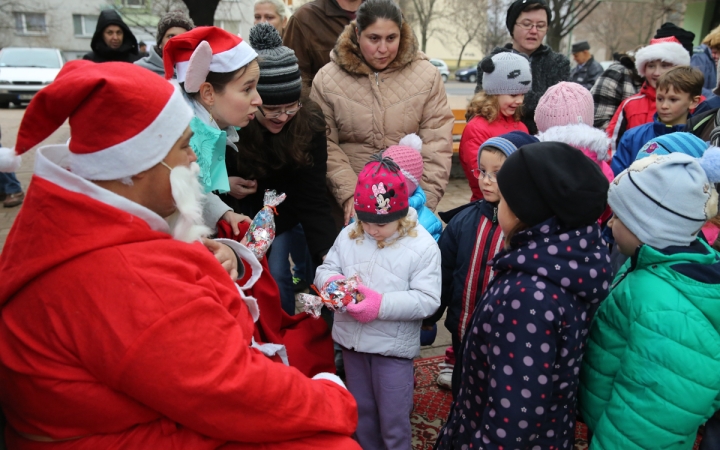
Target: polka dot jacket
x,y
523,349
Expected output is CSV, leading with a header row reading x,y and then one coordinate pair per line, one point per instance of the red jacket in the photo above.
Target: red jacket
x,y
113,335
477,131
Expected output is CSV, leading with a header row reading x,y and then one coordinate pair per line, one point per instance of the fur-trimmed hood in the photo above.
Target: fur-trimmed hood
x,y
580,136
346,53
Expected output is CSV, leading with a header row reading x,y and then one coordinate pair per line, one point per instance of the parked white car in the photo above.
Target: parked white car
x,y
24,71
442,67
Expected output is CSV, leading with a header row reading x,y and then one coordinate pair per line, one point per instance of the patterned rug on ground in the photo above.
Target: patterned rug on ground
x,y
432,406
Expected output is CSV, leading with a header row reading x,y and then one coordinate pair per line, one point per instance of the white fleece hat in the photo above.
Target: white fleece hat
x,y
667,49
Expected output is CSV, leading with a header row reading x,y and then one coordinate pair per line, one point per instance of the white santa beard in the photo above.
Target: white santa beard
x,y
187,223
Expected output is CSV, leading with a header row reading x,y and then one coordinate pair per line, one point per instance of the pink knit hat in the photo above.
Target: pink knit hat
x,y
381,194
564,104
407,155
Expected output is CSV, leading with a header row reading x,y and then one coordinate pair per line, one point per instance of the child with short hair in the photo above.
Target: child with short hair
x,y
398,264
678,92
470,240
522,350
495,110
649,377
652,61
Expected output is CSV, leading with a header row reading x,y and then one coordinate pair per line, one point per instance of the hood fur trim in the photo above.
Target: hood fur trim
x,y
671,52
347,54
579,136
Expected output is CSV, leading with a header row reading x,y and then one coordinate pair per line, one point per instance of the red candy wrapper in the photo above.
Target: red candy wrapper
x,y
336,295
262,229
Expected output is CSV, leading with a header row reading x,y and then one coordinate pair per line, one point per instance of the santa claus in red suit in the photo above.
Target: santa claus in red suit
x,y
118,330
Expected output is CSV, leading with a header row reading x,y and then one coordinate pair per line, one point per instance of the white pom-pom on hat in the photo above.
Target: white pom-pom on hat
x,y
9,160
710,163
412,140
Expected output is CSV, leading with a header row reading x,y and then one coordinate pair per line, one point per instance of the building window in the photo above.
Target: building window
x,y
84,25
231,26
30,23
134,3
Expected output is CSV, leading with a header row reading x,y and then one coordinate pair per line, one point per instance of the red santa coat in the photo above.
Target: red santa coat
x,y
113,335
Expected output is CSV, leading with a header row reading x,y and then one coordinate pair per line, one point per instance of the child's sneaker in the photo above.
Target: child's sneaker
x,y
444,378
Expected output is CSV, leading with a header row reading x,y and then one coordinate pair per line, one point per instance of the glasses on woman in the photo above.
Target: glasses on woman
x,y
540,26
275,114
481,174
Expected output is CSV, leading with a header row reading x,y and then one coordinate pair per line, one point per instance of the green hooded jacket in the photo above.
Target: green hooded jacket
x,y
651,373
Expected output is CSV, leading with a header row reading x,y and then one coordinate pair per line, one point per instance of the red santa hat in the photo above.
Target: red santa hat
x,y
123,120
668,49
202,50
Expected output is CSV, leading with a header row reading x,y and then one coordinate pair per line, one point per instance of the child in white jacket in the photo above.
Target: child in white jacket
x,y
399,267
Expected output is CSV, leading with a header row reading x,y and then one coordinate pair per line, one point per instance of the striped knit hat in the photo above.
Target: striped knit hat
x,y
280,82
681,142
508,143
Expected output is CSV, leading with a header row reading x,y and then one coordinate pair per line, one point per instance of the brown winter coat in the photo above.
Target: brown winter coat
x,y
312,32
368,111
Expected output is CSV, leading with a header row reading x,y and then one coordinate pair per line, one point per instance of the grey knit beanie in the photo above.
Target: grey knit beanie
x,y
666,199
280,82
170,20
506,73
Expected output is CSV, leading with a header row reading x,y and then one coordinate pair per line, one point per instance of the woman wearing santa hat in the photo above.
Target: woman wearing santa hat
x,y
218,72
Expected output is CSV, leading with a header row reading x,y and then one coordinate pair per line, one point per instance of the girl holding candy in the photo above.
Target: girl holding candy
x,y
396,265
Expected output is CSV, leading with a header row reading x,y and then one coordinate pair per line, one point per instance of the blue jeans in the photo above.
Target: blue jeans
x,y
9,184
290,243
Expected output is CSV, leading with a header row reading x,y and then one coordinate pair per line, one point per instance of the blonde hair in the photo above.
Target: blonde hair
x,y
406,227
712,40
487,106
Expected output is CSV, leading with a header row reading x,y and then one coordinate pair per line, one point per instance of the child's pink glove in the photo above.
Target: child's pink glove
x,y
335,278
368,309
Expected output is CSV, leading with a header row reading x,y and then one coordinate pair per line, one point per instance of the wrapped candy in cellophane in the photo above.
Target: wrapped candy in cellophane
x,y
262,229
336,295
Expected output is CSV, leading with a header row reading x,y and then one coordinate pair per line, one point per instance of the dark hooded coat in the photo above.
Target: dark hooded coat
x,y
101,52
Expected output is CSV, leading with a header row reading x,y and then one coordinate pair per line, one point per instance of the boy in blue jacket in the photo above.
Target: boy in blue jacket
x,y
678,92
471,239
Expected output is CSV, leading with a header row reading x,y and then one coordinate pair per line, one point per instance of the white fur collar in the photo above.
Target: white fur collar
x,y
581,136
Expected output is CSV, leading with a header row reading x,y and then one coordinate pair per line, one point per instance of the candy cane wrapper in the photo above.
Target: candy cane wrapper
x,y
261,232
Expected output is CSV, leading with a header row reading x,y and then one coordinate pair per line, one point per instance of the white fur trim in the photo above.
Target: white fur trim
x,y
671,52
51,163
223,62
329,377
9,160
140,152
580,136
255,268
412,140
271,350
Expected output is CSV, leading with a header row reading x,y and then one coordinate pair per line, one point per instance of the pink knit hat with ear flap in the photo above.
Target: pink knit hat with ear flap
x,y
407,155
564,104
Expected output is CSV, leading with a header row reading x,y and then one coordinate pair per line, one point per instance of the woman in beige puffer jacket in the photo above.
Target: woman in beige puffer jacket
x,y
368,110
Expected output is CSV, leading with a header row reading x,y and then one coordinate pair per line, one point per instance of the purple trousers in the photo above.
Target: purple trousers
x,y
383,389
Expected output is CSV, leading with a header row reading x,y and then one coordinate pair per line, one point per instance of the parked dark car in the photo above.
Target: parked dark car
x,y
468,74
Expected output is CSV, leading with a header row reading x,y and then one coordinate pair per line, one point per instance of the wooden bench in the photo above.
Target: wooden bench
x,y
458,128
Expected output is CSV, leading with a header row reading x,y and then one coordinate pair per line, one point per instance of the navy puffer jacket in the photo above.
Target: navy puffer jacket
x,y
523,349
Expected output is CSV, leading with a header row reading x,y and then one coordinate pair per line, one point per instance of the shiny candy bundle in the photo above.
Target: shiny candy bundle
x,y
262,229
335,294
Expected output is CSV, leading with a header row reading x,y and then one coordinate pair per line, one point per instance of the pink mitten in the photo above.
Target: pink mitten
x,y
335,277
368,309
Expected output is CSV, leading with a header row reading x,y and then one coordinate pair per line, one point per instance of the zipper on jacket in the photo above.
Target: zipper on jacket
x,y
494,219
376,79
